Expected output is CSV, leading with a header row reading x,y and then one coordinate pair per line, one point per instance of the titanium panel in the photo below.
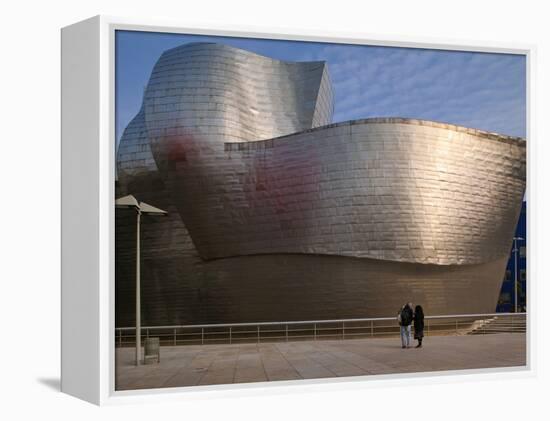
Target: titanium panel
x,y
391,189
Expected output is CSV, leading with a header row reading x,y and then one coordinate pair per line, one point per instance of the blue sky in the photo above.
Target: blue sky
x,y
479,90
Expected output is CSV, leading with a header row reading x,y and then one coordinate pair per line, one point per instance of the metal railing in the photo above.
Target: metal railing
x,y
460,324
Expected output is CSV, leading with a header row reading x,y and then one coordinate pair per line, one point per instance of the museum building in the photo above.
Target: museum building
x,y
277,214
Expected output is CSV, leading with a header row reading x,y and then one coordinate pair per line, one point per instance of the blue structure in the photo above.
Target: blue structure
x,y
506,298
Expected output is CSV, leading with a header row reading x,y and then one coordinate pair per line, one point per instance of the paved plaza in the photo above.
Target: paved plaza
x,y
243,363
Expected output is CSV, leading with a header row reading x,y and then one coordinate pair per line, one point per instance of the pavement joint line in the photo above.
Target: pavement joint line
x,y
263,365
236,362
288,362
204,372
337,358
239,349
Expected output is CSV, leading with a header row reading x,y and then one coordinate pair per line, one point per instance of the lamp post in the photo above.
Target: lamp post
x,y
130,202
516,272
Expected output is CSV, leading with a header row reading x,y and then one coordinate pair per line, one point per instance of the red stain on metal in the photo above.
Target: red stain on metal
x,y
271,177
180,147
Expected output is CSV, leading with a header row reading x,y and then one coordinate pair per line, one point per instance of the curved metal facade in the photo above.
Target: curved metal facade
x,y
275,214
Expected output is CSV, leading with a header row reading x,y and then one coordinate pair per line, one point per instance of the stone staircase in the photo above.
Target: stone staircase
x,y
498,324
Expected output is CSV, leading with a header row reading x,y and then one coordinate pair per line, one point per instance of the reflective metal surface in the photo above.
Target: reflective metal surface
x,y
276,215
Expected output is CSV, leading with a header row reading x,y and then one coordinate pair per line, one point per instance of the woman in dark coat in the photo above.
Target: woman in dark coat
x,y
418,325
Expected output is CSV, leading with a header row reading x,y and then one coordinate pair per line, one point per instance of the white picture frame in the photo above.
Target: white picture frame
x,y
88,172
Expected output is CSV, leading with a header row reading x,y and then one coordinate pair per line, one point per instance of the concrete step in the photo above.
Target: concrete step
x,y
499,325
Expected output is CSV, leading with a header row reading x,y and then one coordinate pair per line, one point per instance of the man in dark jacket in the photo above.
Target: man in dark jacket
x,y
405,318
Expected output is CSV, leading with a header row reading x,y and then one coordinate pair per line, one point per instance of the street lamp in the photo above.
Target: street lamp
x,y
516,272
130,202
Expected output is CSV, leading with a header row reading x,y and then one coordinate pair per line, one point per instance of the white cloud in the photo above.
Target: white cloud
x,y
485,91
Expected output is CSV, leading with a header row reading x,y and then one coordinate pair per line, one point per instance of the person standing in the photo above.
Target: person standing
x,y
405,318
418,325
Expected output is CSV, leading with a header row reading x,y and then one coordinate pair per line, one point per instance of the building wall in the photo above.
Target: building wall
x,y
391,189
299,287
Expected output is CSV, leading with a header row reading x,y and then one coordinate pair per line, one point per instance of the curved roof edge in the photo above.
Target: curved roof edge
x,y
403,120
248,52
